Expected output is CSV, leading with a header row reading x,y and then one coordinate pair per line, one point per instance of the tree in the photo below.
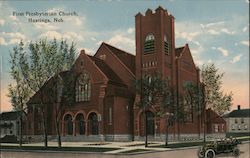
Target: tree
x,y
19,92
39,63
214,97
60,91
153,90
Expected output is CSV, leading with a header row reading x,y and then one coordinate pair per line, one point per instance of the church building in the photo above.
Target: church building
x,y
105,98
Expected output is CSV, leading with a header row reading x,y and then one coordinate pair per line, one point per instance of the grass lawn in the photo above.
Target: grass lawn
x,y
190,144
83,149
179,145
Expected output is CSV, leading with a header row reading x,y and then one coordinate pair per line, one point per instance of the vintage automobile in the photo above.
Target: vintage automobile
x,y
228,145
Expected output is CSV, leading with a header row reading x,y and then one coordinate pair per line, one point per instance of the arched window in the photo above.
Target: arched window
x,y
149,44
166,45
68,124
83,88
80,124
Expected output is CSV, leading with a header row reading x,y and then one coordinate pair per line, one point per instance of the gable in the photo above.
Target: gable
x,y
126,58
118,67
84,63
186,60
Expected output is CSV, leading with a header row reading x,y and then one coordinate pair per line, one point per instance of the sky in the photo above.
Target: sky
x,y
217,31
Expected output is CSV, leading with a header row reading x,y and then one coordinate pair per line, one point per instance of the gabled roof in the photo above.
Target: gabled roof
x,y
126,58
12,115
213,117
109,73
179,50
33,99
239,113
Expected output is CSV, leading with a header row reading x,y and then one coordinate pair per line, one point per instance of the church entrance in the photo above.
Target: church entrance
x,y
68,124
150,123
80,124
93,124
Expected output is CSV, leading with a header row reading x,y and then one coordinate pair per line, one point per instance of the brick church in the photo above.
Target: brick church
x,y
105,98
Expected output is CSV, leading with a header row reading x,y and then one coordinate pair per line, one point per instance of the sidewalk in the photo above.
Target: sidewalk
x,y
122,146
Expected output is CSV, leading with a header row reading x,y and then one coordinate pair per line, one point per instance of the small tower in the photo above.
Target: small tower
x,y
154,42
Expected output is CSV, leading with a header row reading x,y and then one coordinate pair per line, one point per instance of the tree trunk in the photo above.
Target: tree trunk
x,y
44,128
166,141
146,130
58,134
21,131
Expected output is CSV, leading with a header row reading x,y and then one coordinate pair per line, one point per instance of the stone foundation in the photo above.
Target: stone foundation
x,y
124,137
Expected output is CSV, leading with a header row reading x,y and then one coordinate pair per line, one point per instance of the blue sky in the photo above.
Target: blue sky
x,y
216,31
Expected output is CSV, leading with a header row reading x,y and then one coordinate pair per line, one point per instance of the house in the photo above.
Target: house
x,y
238,122
216,125
9,123
105,101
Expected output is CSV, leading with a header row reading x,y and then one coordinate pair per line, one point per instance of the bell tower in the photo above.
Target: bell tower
x,y
155,43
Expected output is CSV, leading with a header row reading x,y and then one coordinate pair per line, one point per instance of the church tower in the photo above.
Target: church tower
x,y
155,43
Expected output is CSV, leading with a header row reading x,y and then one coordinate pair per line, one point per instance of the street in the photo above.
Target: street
x,y
187,153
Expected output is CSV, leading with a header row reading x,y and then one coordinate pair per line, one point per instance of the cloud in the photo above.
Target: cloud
x,y
131,30
2,41
223,51
14,18
225,30
122,41
236,58
45,26
8,38
247,1
219,31
210,61
51,35
93,38
245,43
217,28
2,21
213,32
245,29
189,36
211,24
57,35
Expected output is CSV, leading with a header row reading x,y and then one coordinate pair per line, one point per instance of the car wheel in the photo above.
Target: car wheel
x,y
236,152
210,153
200,153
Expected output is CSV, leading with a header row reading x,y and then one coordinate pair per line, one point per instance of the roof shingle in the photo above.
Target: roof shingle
x,y
112,76
239,113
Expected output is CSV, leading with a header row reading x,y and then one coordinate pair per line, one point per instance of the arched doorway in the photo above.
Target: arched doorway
x,y
80,124
150,123
68,122
93,124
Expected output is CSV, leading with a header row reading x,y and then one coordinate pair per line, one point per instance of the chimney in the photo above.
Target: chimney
x,y
238,107
83,51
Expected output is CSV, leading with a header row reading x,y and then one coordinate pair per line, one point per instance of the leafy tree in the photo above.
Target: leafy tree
x,y
61,90
39,63
19,92
153,90
214,97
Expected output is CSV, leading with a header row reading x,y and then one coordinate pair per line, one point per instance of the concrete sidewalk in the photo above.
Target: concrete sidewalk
x,y
122,146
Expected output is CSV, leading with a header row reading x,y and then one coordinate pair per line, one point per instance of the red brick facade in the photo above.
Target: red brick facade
x,y
109,108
